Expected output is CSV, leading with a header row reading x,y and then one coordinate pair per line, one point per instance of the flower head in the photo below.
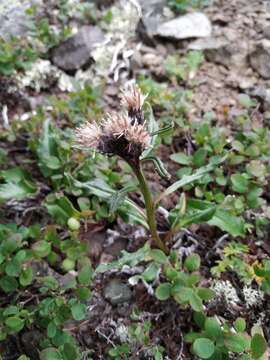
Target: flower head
x,y
123,134
89,135
133,100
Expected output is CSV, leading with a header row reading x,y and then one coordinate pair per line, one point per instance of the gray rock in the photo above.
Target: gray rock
x,y
152,17
262,94
75,52
220,50
151,7
13,18
209,43
260,59
193,25
116,292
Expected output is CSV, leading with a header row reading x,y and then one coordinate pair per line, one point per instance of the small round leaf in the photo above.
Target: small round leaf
x,y
204,348
163,291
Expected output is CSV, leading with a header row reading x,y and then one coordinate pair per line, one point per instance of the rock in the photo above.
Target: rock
x,y
260,59
209,43
220,50
262,94
75,52
216,49
102,3
115,248
116,292
13,17
193,25
266,32
151,7
152,17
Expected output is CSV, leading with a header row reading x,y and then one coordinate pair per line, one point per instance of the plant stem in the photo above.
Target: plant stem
x,y
150,208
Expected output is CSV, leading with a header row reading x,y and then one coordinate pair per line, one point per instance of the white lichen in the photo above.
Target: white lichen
x,y
41,75
252,296
226,290
121,332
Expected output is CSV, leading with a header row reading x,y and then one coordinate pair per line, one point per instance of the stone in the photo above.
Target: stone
x,y
117,292
152,17
262,94
266,32
13,17
193,25
260,59
220,50
208,43
75,52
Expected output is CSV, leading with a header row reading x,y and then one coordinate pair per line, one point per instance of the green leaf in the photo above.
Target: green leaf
x,y
61,208
8,284
130,259
212,327
240,324
182,294
256,168
236,343
240,183
258,346
14,323
118,197
13,268
199,318
52,162
197,217
18,184
246,101
50,354
199,157
83,293
153,128
229,223
163,291
51,329
78,311
150,273
196,302
41,248
26,276
70,352
192,262
158,256
85,275
205,293
103,191
186,180
181,158
204,348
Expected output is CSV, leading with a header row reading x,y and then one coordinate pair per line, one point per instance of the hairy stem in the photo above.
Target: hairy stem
x,y
150,208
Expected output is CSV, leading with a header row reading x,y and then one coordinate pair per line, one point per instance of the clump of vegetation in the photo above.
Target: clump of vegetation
x,y
205,221
181,6
15,56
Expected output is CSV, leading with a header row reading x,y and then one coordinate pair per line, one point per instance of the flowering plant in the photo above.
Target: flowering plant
x,y
130,136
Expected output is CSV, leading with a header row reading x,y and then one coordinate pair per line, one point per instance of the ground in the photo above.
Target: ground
x,y
62,218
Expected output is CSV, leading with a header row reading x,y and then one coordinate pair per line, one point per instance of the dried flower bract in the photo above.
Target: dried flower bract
x,y
89,135
133,100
